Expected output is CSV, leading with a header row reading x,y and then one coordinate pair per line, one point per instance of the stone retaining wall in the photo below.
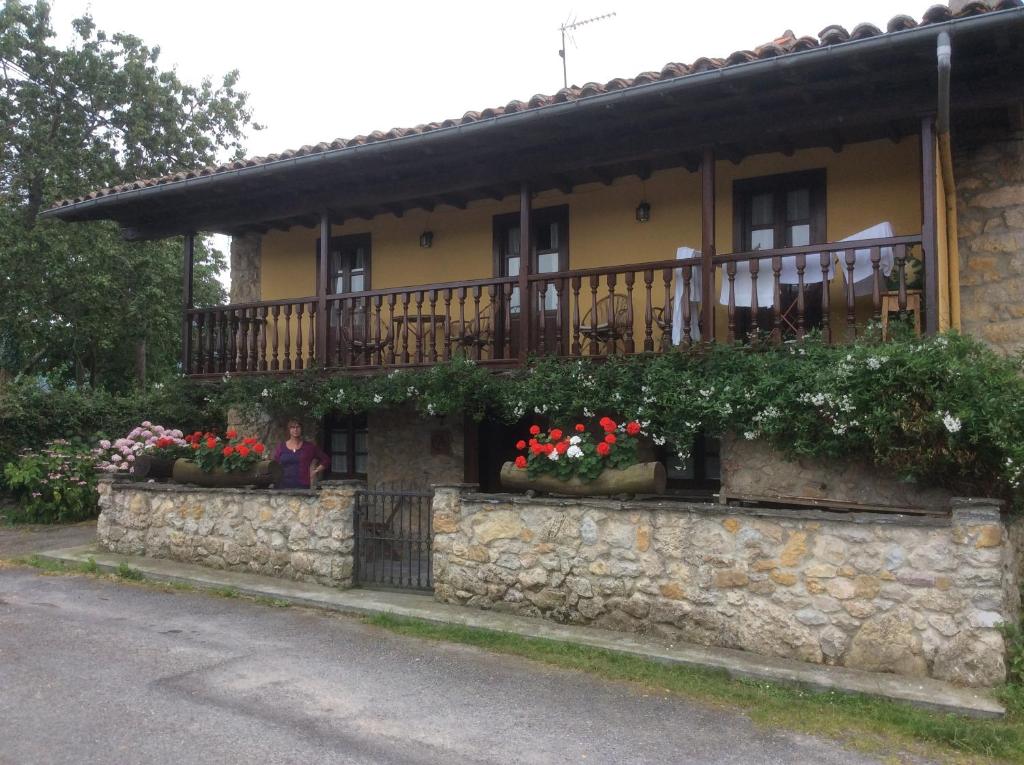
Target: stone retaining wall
x,y
914,596
303,535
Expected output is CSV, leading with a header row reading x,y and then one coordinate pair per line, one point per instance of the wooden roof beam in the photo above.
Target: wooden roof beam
x,y
454,200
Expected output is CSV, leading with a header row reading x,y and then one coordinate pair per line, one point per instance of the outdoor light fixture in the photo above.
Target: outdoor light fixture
x,y
643,212
427,239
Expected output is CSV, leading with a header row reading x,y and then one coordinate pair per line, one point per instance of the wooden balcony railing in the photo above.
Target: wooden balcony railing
x,y
769,295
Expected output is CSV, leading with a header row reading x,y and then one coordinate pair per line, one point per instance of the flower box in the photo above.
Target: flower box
x,y
641,478
261,474
149,466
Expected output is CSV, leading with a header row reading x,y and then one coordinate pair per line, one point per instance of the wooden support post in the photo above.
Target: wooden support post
x,y
189,258
707,244
525,264
929,233
322,291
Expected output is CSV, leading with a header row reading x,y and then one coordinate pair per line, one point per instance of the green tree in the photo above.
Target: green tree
x,y
78,301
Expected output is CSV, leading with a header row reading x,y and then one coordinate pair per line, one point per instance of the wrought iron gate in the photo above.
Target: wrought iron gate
x,y
394,538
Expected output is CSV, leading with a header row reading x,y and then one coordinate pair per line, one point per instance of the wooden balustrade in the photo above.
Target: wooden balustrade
x,y
761,296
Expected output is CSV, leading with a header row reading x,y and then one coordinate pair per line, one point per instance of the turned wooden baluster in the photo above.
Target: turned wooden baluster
x,y
777,299
560,289
648,312
876,283
825,260
801,309
630,277
508,291
243,339
576,350
392,338
595,281
463,331
210,349
311,337
263,338
754,267
611,344
275,364
353,330
448,322
901,296
405,328
197,323
287,365
476,321
300,309
494,296
420,326
432,321
233,340
542,330
687,332
851,309
730,271
379,334
254,339
666,310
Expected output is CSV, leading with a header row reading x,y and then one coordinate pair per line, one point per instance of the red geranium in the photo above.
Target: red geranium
x,y
195,444
534,430
250,441
520,462
610,438
211,442
243,450
556,434
562,447
258,448
232,433
228,451
548,448
608,424
633,428
536,448
604,449
580,427
520,445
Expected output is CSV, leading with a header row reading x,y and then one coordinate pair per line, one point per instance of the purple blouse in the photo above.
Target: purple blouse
x,y
295,464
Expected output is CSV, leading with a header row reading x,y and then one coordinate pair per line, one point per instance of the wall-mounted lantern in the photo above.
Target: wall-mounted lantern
x,y
643,212
427,239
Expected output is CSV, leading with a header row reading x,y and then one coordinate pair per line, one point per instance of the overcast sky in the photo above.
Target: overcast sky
x,y
316,71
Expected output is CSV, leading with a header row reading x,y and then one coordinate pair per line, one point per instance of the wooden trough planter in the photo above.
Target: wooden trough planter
x,y
261,475
642,478
147,467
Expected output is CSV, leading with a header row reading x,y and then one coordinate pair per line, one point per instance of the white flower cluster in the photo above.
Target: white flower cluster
x,y
377,398
952,423
1015,472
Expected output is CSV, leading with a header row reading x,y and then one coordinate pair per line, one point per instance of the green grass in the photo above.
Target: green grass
x,y
224,592
124,571
862,721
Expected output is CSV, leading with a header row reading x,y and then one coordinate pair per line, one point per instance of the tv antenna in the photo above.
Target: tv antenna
x,y
570,27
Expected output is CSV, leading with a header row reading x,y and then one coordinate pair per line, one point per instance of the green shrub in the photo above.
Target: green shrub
x,y
56,484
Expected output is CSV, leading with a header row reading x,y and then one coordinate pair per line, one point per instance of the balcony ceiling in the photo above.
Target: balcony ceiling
x,y
831,95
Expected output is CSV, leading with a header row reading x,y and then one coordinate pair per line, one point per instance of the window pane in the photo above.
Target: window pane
x,y
360,440
798,204
357,283
359,258
513,266
513,242
547,263
513,301
761,210
339,440
799,235
762,239
339,463
360,463
550,298
547,237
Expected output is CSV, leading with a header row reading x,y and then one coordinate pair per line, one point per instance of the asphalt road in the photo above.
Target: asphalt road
x,y
16,541
93,671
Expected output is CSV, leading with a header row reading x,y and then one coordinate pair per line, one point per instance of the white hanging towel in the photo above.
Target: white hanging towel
x,y
812,269
695,293
743,284
862,271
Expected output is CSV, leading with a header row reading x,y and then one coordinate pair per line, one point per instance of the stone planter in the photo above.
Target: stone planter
x,y
147,467
753,471
261,475
642,478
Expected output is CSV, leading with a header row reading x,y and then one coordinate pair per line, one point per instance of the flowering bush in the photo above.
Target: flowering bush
x,y
119,455
230,453
56,484
579,452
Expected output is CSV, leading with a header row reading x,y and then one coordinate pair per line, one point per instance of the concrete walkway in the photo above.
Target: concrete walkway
x,y
921,692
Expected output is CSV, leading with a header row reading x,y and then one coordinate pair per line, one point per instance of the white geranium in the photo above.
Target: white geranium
x,y
553,456
266,393
575,440
377,398
574,452
952,423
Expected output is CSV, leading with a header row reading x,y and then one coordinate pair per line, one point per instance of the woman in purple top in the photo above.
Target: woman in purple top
x,y
296,456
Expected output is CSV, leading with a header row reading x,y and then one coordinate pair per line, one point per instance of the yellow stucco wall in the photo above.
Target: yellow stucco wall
x,y
866,183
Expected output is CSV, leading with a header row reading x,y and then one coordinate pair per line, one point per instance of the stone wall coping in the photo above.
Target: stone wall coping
x,y
341,482
465,487
971,503
173,488
713,509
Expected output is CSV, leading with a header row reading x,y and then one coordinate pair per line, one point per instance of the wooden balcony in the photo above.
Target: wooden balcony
x,y
640,308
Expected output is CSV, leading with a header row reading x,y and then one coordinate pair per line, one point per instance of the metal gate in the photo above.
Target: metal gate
x,y
394,538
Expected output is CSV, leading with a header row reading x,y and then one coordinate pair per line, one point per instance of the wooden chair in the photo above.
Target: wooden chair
x,y
366,335
607,321
474,334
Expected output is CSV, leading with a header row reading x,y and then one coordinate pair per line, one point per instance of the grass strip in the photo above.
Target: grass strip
x,y
863,721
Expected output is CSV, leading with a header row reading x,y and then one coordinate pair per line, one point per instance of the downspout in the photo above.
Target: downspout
x,y
944,53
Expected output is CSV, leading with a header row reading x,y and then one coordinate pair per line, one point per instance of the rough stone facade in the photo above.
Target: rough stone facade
x,y
752,469
245,268
303,535
917,597
989,171
405,448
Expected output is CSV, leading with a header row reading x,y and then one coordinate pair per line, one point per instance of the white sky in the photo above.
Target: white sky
x,y
316,71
